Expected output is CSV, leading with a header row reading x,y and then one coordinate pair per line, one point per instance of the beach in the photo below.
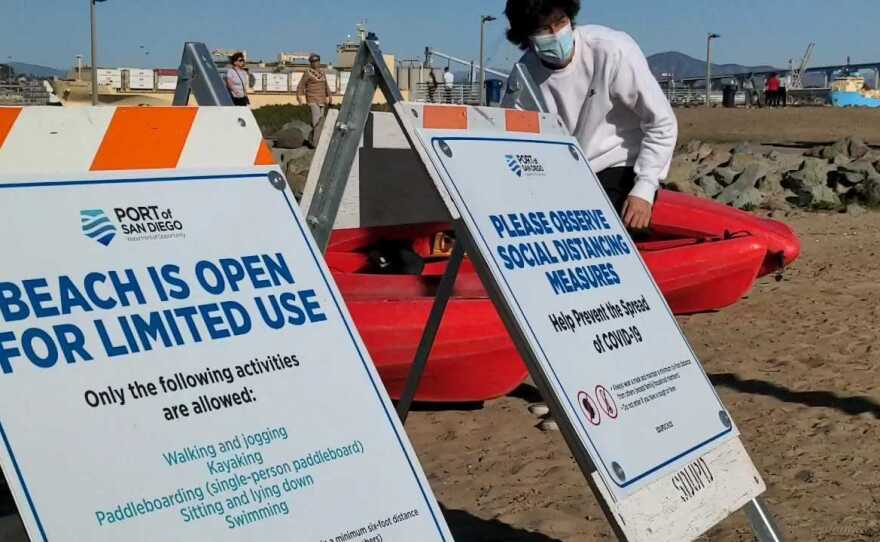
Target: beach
x,y
788,126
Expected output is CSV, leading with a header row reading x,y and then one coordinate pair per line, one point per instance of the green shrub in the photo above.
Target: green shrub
x,y
271,118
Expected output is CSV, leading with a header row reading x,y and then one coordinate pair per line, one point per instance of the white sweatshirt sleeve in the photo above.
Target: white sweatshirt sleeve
x,y
635,86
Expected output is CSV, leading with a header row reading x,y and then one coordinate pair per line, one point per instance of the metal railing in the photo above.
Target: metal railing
x,y
460,93
684,96
23,93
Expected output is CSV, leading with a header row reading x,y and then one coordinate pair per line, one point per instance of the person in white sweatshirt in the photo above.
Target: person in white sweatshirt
x,y
598,81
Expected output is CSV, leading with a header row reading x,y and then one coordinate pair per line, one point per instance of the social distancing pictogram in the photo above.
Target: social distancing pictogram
x,y
589,407
606,402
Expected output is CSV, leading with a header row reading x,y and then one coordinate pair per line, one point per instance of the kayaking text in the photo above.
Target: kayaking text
x,y
575,245
244,479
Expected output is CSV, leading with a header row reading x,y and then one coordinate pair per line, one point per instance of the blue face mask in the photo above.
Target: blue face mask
x,y
555,48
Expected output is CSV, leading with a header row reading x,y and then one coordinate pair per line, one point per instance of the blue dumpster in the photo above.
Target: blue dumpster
x,y
493,91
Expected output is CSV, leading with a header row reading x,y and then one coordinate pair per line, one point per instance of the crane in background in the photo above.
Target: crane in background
x,y
797,75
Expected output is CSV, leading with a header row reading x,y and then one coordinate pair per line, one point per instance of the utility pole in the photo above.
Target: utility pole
x,y
711,36
94,51
483,20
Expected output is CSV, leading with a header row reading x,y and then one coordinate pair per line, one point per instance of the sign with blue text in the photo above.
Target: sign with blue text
x,y
176,363
599,335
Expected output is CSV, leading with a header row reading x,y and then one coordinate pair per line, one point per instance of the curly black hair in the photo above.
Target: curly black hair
x,y
524,16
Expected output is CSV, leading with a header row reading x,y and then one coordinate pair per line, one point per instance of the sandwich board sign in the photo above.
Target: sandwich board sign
x,y
632,399
176,362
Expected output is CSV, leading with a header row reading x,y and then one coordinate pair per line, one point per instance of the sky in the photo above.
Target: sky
x,y
151,33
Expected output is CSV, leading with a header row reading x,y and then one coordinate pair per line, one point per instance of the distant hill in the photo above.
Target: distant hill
x,y
683,66
35,71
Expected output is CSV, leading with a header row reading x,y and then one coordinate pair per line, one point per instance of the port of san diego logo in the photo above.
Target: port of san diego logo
x,y
96,225
136,223
524,165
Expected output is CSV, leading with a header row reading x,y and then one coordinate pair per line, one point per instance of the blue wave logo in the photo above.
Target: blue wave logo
x,y
514,164
97,226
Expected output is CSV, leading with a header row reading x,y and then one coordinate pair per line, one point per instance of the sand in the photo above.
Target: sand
x,y
796,362
789,125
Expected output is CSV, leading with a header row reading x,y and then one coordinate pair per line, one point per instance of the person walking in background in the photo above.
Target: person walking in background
x,y
237,79
314,87
432,86
448,83
773,90
749,90
784,83
760,95
599,83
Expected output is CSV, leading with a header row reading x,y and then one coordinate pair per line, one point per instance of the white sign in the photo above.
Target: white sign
x,y
344,77
172,369
277,82
258,85
598,327
690,500
295,78
110,77
332,82
140,79
166,82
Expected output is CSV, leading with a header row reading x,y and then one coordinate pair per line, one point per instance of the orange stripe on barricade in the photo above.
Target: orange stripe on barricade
x,y
264,155
7,119
144,138
523,121
438,117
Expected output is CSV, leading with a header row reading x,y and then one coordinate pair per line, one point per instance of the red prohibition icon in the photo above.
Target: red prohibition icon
x,y
590,408
606,402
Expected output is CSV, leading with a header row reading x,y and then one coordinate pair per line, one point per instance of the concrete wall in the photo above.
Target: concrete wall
x,y
80,94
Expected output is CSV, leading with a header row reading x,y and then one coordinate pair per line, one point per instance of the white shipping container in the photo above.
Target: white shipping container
x,y
276,82
140,73
110,78
259,84
139,79
140,84
344,77
295,78
167,82
332,82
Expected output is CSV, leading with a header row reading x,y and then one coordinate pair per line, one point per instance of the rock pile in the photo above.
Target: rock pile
x,y
293,135
292,149
832,177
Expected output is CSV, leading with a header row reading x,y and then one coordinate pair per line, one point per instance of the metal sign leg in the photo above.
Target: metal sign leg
x,y
444,292
762,523
198,75
343,149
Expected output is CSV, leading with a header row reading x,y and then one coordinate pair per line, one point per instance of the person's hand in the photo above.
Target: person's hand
x,y
636,213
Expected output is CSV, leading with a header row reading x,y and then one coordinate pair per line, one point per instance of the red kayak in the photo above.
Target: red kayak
x,y
473,358
678,215
693,275
698,264
704,275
